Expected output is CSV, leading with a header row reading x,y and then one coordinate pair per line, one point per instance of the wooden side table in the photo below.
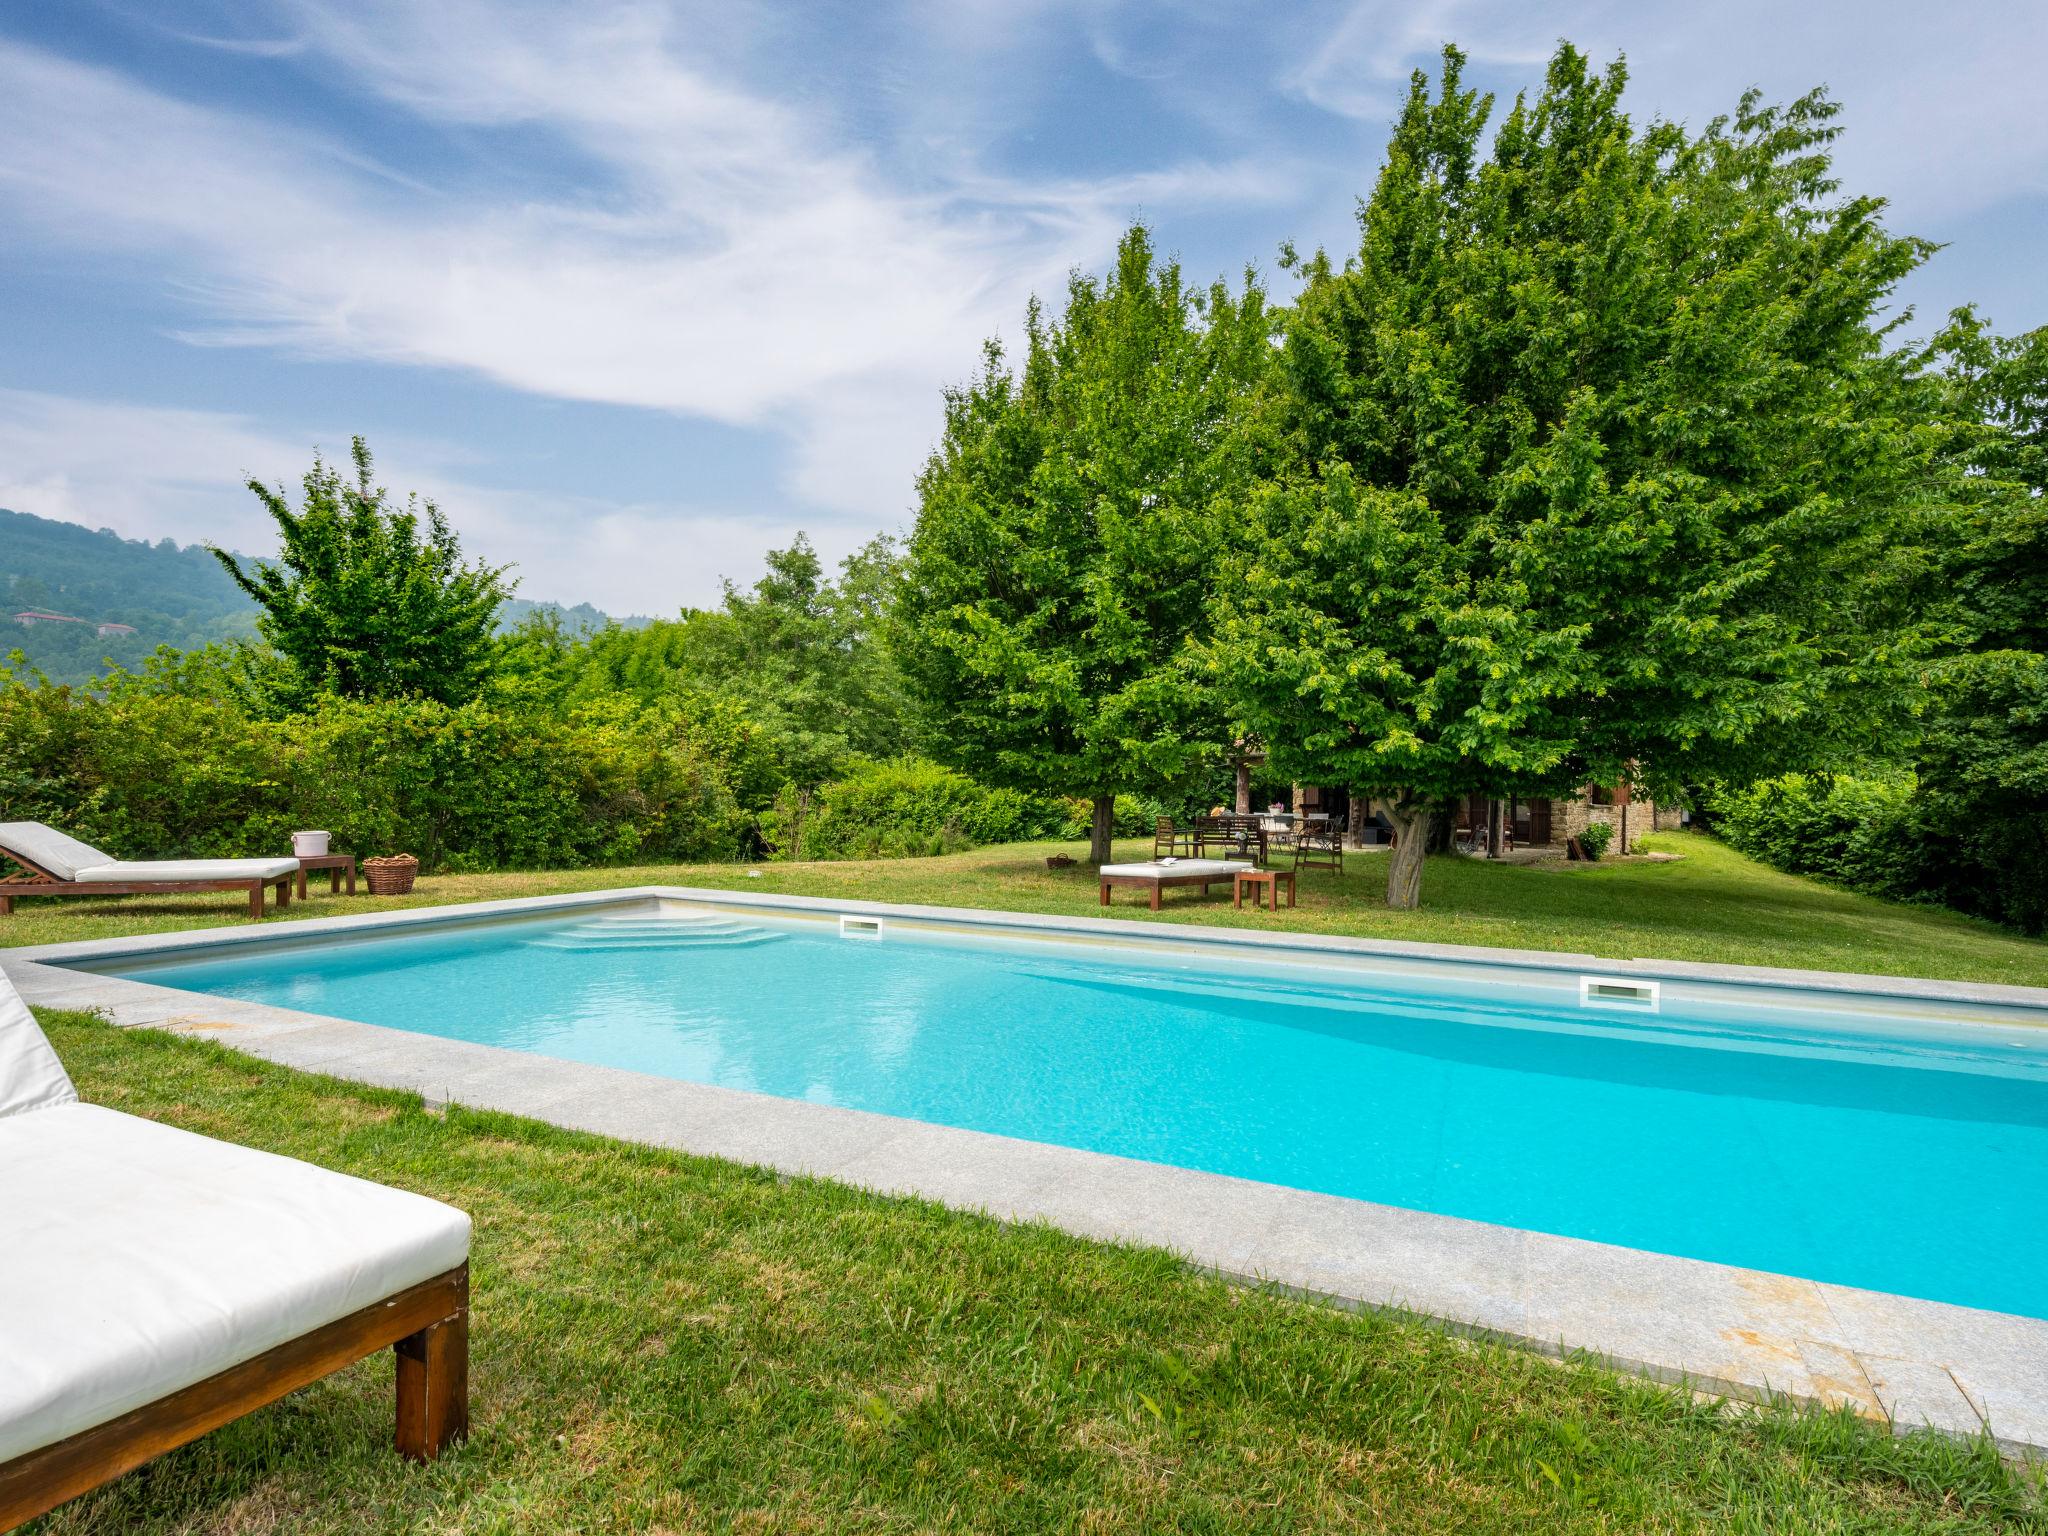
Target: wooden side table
x,y
1271,879
337,865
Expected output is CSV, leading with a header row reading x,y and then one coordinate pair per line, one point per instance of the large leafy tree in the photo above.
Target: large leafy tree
x,y
1582,444
1068,546
368,599
1983,757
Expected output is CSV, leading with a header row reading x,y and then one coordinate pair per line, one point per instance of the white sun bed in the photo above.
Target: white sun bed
x,y
1156,874
60,865
159,1283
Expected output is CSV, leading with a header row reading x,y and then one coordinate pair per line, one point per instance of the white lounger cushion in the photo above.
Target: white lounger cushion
x,y
134,871
142,1259
49,849
31,1077
1217,867
69,859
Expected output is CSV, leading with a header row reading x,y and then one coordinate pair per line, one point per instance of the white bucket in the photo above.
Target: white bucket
x,y
309,845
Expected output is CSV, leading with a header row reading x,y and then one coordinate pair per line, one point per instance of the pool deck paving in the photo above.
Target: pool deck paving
x,y
1918,1364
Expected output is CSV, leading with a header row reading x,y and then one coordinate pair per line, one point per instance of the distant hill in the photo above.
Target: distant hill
x,y
580,620
167,593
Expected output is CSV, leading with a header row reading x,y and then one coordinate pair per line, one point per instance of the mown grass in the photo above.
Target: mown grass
x,y
675,1344
1712,904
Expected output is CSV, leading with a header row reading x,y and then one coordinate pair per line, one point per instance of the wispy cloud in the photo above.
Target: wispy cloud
x,y
253,47
723,260
153,472
794,221
1941,101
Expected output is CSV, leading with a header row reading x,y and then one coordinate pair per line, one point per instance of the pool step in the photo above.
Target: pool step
x,y
680,932
709,923
586,945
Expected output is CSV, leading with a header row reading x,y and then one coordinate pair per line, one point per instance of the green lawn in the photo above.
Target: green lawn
x,y
1711,904
672,1344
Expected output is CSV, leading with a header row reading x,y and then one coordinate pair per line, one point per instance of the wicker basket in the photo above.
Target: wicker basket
x,y
392,876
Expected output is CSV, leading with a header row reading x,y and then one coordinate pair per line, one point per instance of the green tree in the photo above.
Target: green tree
x,y
803,655
1068,544
1587,444
1983,759
808,658
368,600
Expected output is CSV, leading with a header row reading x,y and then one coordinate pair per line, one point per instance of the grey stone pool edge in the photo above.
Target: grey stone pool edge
x,y
1918,1364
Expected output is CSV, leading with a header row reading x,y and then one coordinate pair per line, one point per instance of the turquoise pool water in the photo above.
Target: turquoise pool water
x,y
1877,1151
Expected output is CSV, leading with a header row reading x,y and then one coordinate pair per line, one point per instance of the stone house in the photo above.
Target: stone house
x,y
1548,823
1543,823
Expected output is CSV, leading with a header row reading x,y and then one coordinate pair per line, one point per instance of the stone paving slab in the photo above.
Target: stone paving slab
x,y
1919,1364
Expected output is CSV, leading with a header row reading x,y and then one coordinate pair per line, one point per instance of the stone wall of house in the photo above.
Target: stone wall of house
x,y
1568,818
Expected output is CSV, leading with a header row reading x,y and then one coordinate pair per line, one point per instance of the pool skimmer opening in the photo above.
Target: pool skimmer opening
x,y
1619,992
851,927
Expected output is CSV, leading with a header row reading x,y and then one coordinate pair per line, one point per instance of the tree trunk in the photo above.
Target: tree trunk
x,y
1404,864
1493,828
1244,787
1105,824
796,836
1440,832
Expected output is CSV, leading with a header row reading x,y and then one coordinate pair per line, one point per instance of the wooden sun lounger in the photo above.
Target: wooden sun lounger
x,y
1154,877
163,1283
46,881
428,1325
41,883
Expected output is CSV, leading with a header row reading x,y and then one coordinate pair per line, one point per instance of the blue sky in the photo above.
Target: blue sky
x,y
638,290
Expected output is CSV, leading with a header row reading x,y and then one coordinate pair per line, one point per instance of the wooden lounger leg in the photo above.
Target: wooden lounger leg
x,y
284,893
1105,893
1155,895
255,898
38,1482
433,1388
6,905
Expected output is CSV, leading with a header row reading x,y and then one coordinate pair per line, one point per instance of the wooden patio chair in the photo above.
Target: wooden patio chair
x,y
1321,847
1168,841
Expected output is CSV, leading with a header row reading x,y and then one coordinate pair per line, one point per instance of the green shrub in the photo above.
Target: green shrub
x,y
148,773
906,808
1596,837
1133,816
911,807
1889,835
1855,831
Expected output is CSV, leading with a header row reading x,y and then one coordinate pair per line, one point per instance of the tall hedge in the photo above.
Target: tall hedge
x,y
1889,835
912,807
148,774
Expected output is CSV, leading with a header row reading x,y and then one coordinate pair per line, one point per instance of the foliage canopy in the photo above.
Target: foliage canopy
x,y
1581,443
1068,541
799,663
367,600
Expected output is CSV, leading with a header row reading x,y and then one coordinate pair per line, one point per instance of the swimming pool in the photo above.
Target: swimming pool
x,y
1871,1142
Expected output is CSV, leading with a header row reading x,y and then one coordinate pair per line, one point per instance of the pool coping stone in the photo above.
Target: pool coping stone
x,y
1713,1327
